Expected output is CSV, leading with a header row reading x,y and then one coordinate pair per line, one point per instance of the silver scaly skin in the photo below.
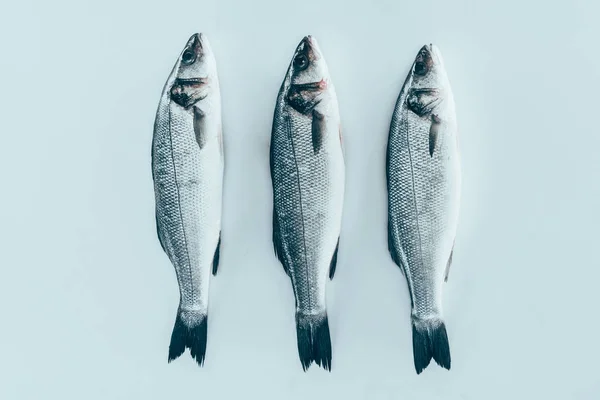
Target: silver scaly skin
x,y
307,171
187,168
423,177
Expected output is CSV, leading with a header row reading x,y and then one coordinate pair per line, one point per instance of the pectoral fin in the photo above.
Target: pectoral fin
x,y
434,133
199,127
318,130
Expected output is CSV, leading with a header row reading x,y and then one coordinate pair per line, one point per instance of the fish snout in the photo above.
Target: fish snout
x,y
313,45
424,61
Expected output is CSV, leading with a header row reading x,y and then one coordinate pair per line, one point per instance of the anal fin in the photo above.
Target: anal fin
x,y
278,244
448,264
162,244
217,256
392,250
333,263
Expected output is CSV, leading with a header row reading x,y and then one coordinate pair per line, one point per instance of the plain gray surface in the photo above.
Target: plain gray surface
x,y
88,298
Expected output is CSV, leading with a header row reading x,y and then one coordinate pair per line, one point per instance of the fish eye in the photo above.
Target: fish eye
x,y
188,57
300,61
420,68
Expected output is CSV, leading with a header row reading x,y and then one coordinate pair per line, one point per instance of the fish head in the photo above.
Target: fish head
x,y
427,81
195,72
428,68
308,76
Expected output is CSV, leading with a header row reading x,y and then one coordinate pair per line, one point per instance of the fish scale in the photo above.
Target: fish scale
x,y
307,277
420,218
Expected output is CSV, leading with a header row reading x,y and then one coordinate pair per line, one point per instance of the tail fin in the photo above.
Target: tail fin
x,y
430,340
189,332
314,343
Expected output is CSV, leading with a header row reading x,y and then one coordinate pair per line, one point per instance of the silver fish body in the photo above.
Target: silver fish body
x,y
308,173
423,178
187,169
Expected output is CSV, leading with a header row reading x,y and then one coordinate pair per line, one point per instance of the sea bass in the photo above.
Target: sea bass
x,y
307,172
423,180
187,169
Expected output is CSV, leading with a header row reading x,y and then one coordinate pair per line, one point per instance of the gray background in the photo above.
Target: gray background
x,y
88,299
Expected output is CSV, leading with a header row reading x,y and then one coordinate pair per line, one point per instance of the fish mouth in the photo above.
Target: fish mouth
x,y
309,43
436,55
311,86
196,42
430,55
199,36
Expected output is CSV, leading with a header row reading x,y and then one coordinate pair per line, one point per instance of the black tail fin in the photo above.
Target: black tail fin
x,y
189,332
314,343
430,340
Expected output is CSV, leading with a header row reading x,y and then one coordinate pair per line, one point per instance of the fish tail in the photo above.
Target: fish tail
x,y
314,343
430,340
189,332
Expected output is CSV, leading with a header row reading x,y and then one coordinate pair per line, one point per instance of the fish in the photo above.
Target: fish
x,y
423,184
187,171
308,178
